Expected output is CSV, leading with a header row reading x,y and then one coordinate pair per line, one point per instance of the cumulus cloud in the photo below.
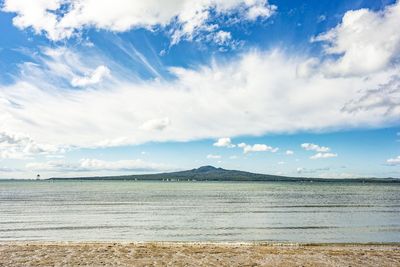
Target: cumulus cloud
x,y
259,8
323,156
314,147
257,148
211,156
224,142
365,41
94,77
323,151
87,165
60,19
394,161
20,146
289,152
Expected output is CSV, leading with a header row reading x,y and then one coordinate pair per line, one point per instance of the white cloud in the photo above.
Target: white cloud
x,y
222,37
394,161
156,124
88,165
257,148
51,156
385,97
224,142
289,152
53,165
20,146
94,77
314,147
38,15
211,156
259,8
7,169
322,151
307,68
60,19
281,162
323,156
366,41
245,96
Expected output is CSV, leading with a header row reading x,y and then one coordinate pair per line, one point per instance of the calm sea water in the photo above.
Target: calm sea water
x,y
199,211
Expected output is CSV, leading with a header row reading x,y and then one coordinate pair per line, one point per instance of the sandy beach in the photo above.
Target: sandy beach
x,y
196,254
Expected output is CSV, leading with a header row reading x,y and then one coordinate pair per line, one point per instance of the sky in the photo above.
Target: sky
x,y
110,87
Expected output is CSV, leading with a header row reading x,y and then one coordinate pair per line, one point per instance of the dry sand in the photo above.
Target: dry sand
x,y
196,254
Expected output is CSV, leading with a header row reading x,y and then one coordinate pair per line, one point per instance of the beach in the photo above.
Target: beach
x,y
196,254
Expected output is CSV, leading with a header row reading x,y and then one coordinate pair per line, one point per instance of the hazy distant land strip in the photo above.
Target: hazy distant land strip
x,y
210,173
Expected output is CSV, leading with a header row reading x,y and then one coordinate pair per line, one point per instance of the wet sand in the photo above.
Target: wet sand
x,y
196,254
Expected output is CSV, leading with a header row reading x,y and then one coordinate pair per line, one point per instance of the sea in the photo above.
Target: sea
x,y
305,212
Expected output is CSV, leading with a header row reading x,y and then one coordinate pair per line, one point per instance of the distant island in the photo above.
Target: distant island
x,y
210,173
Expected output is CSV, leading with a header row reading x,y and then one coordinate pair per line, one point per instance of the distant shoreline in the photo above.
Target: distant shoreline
x,y
213,174
300,180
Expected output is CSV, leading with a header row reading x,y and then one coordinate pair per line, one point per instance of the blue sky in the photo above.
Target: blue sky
x,y
299,88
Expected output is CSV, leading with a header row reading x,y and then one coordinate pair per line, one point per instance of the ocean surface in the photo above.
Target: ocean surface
x,y
199,211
